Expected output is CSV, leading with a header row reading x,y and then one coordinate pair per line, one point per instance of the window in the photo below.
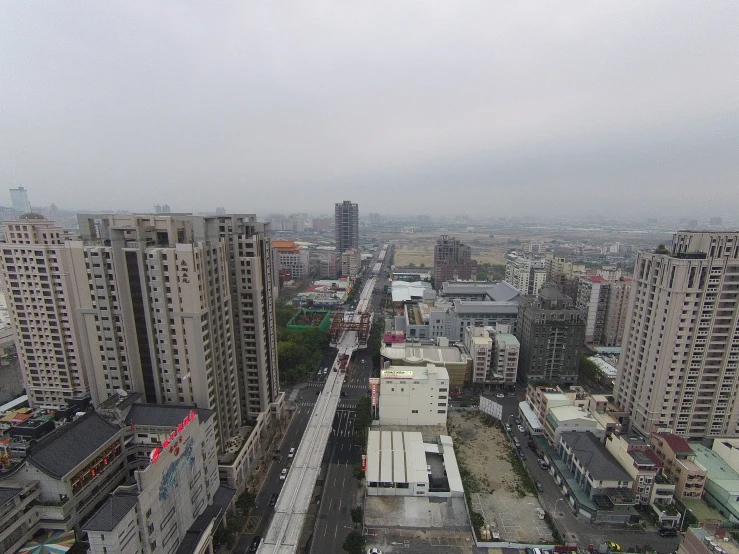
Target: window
x,y
442,403
416,411
442,411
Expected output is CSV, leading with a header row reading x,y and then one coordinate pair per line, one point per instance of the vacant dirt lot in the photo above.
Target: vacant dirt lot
x,y
484,450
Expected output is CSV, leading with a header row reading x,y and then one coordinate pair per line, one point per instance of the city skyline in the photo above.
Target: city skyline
x,y
566,108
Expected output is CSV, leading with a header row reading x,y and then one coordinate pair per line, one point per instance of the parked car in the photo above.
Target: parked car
x,y
612,546
500,395
521,453
273,499
255,544
516,442
507,427
283,474
667,532
516,419
520,428
539,487
291,454
542,464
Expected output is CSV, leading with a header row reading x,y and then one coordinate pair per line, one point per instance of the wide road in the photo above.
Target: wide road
x,y
340,492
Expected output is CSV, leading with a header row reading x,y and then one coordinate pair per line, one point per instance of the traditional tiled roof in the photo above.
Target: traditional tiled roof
x,y
111,513
62,450
159,415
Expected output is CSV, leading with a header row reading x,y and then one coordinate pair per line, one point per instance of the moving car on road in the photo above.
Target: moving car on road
x,y
273,499
520,428
612,546
283,474
291,454
500,395
667,532
255,544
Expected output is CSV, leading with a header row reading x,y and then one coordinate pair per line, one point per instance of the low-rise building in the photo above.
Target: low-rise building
x,y
414,395
401,464
679,464
595,484
324,294
645,468
570,419
452,358
138,452
699,540
721,489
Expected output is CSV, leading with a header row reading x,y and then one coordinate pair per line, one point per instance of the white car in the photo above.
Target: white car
x,y
283,474
374,551
520,428
500,395
291,453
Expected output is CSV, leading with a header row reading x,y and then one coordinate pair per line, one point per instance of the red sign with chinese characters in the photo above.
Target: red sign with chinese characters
x,y
374,381
364,462
172,442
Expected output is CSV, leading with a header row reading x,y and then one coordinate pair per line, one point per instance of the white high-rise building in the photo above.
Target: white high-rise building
x,y
526,274
38,288
679,364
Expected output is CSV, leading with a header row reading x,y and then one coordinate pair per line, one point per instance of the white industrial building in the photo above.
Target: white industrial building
x,y
414,395
401,464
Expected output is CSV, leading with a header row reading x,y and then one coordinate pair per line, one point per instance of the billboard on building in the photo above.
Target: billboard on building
x,y
374,382
491,408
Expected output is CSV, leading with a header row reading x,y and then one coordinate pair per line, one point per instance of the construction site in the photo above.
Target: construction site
x,y
342,323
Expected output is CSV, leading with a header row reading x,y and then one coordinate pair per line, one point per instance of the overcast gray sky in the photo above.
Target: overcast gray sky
x,y
490,107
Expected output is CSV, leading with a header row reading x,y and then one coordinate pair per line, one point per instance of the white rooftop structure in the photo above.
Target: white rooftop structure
x,y
403,291
532,421
397,464
607,369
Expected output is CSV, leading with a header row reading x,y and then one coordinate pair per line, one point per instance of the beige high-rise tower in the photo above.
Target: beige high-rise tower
x,y
679,364
40,301
154,313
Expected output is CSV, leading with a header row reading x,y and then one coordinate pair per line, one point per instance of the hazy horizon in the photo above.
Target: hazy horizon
x,y
486,109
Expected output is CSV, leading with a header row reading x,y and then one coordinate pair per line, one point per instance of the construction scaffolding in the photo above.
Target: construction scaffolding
x,y
343,322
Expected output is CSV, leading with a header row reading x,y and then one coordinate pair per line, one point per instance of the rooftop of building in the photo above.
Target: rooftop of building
x,y
713,542
719,470
499,292
600,464
567,413
413,353
604,366
508,339
163,415
111,513
641,458
62,450
485,307
415,373
405,291
678,444
7,494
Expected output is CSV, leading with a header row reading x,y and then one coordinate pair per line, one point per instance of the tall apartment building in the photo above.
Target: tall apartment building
x,y
177,307
38,289
605,304
528,275
452,261
328,264
551,331
564,273
154,312
679,364
494,353
19,200
253,294
347,226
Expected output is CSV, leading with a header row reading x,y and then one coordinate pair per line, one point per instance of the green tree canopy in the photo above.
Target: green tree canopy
x,y
354,543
